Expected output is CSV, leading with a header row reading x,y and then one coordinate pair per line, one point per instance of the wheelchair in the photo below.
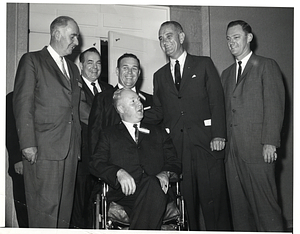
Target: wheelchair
x,y
113,215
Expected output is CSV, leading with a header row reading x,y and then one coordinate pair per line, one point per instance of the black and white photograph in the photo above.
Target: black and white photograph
x,y
149,116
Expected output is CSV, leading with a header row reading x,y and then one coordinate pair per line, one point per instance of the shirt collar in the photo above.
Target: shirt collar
x,y
121,87
53,53
181,60
245,59
130,125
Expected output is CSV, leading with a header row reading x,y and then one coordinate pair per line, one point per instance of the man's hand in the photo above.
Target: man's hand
x,y
19,168
30,154
126,181
164,181
217,144
269,153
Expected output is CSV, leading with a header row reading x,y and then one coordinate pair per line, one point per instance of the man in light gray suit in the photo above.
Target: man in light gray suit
x,y
46,99
255,98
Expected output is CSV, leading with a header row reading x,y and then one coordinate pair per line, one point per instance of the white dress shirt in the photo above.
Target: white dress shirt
x,y
56,58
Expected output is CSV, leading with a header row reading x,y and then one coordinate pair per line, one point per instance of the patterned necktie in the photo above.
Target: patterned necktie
x,y
239,71
136,133
63,68
95,90
177,75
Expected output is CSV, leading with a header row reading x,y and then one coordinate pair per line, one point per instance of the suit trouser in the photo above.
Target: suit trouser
x,y
253,195
82,214
204,189
49,188
146,206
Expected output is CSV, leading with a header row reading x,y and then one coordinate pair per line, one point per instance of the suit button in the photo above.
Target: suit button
x,y
182,112
179,97
233,110
181,130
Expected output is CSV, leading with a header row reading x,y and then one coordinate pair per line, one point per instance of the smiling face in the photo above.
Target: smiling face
x,y
130,107
66,38
128,72
238,41
171,40
91,66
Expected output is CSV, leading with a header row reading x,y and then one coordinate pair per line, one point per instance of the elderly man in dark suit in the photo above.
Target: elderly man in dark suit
x,y
103,113
255,98
136,159
90,65
188,97
46,100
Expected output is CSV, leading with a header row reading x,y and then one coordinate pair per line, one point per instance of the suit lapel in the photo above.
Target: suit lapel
x,y
186,74
142,133
124,131
168,78
87,91
54,67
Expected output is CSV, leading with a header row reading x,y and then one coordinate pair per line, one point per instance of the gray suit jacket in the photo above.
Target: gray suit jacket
x,y
46,105
254,107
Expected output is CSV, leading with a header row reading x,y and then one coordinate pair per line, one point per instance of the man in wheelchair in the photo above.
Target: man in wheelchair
x,y
136,160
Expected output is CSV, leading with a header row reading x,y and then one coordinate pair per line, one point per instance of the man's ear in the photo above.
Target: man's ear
x,y
181,37
57,35
120,109
249,37
117,71
80,66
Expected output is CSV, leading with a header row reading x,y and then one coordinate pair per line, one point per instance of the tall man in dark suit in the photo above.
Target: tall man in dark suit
x,y
136,159
254,96
90,65
192,109
103,113
46,99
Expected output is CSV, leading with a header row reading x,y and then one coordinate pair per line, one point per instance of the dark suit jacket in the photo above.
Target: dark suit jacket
x,y
199,101
103,114
254,107
86,102
46,105
116,149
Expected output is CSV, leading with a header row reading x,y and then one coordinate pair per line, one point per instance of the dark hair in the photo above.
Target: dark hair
x,y
245,26
92,49
127,55
177,25
61,21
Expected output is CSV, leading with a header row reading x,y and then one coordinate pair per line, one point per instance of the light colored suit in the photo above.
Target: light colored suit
x,y
254,115
47,117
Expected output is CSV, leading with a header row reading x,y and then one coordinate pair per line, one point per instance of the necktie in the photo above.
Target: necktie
x,y
95,90
136,133
239,71
63,68
177,75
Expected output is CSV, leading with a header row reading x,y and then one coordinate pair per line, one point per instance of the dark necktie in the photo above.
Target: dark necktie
x,y
63,68
136,133
177,75
95,90
239,71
